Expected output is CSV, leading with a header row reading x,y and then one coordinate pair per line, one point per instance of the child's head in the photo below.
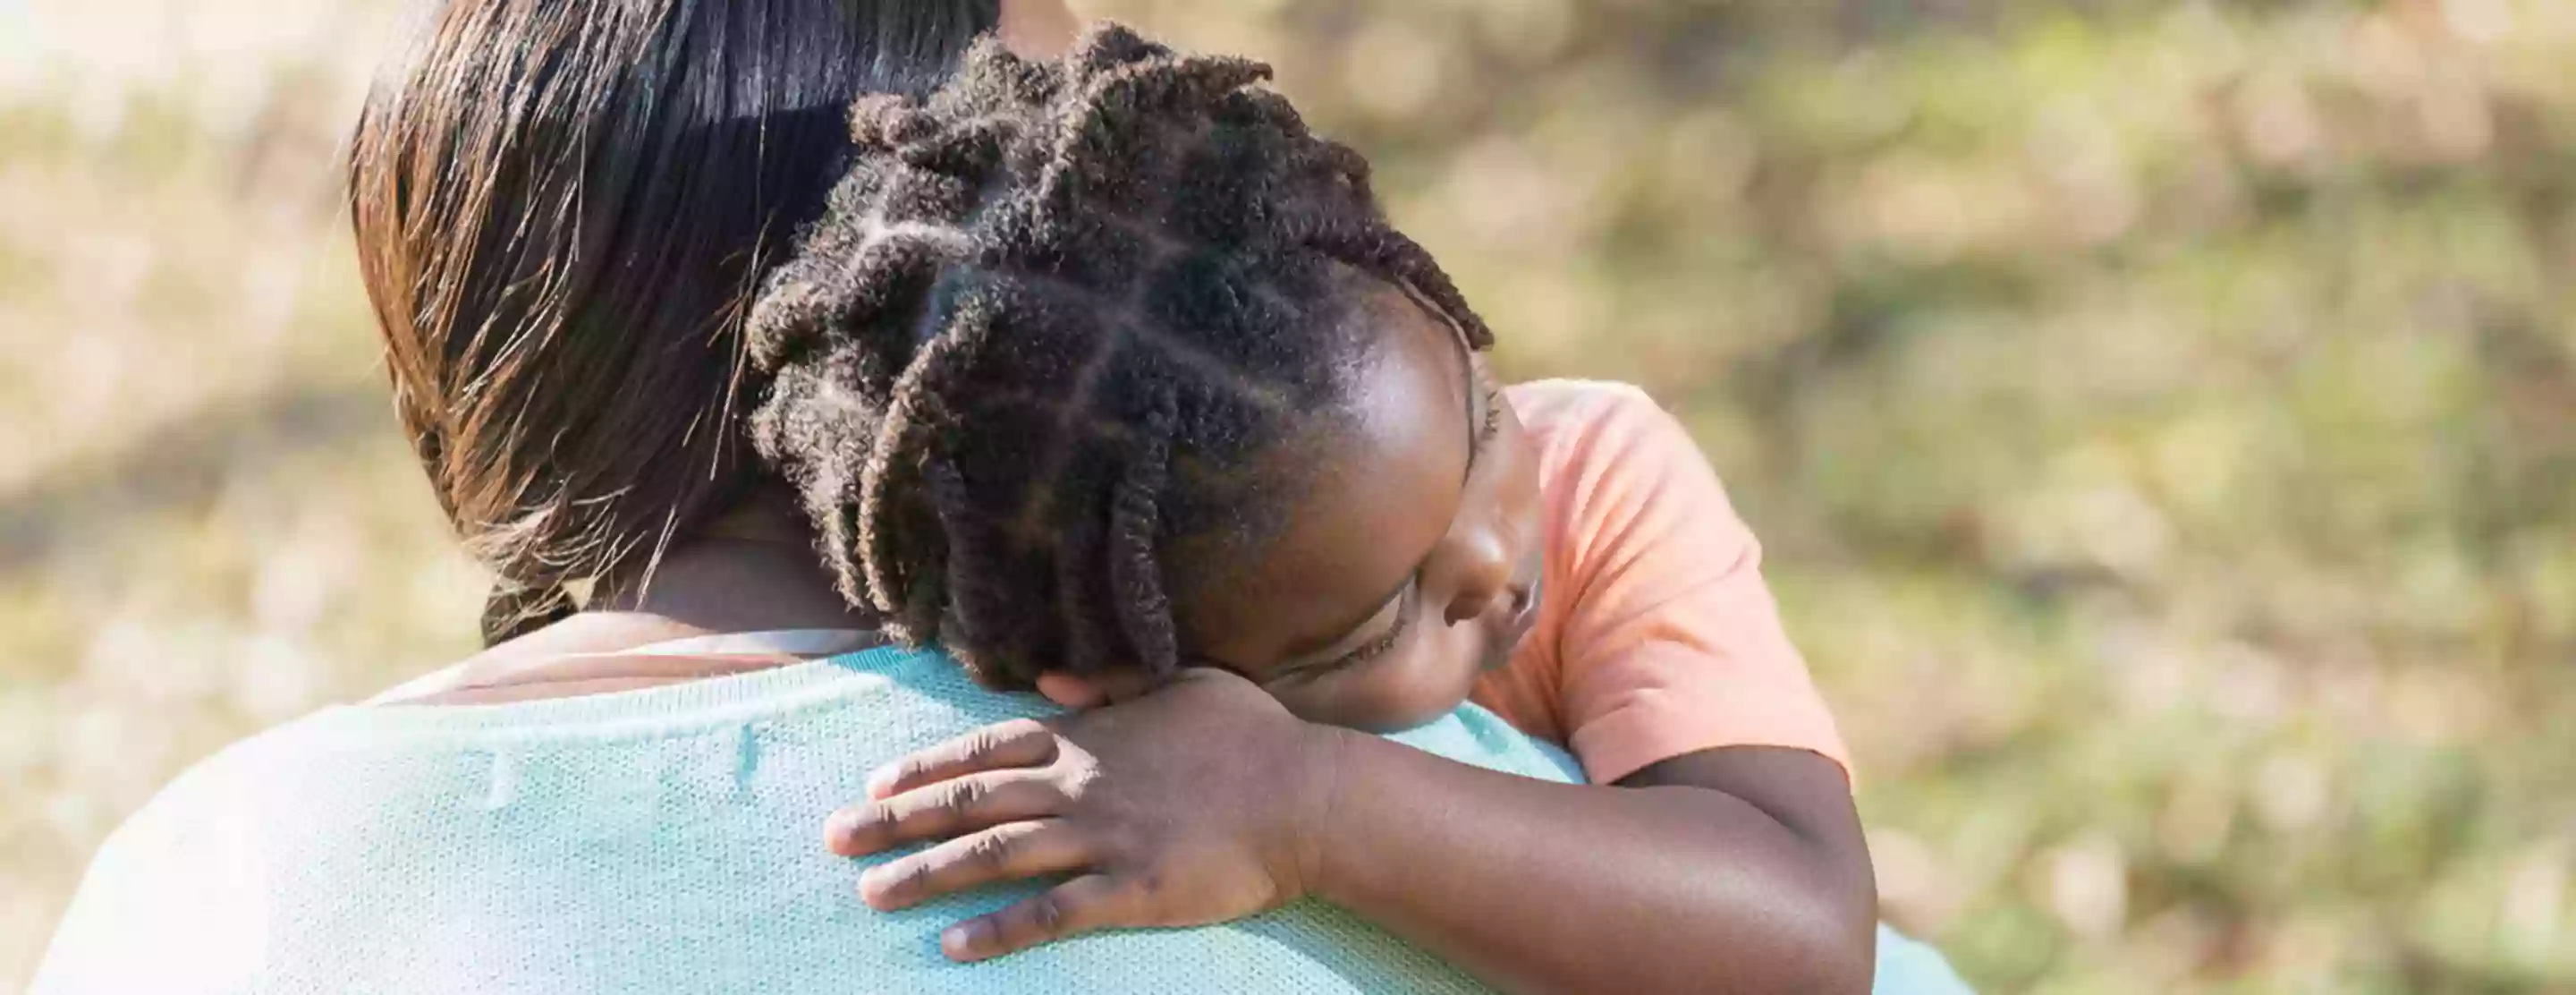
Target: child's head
x,y
1107,367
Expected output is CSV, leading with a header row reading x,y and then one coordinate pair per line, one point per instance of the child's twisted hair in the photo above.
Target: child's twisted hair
x,y
1047,321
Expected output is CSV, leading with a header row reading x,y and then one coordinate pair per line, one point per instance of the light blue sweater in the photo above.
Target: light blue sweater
x,y
665,840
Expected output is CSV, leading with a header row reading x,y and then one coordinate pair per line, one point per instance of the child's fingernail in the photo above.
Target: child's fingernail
x,y
841,833
960,940
880,783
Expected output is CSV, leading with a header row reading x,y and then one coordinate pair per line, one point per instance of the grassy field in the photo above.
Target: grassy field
x,y
2162,417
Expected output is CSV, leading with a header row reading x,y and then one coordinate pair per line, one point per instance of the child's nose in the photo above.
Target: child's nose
x,y
1483,578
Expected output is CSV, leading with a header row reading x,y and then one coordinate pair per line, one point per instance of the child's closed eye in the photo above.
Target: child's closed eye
x,y
1407,607
1493,425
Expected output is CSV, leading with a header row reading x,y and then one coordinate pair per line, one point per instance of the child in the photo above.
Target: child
x,y
1111,378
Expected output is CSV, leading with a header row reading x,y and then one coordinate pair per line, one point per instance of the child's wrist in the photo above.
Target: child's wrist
x,y
1350,836
1329,766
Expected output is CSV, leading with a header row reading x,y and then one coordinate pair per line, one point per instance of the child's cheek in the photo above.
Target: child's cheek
x,y
1427,677
1437,672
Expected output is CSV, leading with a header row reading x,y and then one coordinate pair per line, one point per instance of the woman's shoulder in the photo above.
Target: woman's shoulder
x,y
1475,736
188,869
566,826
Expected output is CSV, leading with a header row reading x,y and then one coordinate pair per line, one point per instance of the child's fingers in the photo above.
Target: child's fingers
x,y
1016,743
948,808
1003,853
1084,904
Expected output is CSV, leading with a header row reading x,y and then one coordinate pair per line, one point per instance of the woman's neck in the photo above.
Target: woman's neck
x,y
754,571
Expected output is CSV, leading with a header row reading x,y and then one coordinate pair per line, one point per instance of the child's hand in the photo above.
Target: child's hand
x,y
1195,804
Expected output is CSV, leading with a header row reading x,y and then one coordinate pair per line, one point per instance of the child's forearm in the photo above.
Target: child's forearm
x,y
1674,886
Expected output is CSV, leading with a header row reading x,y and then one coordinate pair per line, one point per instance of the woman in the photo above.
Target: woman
x,y
561,209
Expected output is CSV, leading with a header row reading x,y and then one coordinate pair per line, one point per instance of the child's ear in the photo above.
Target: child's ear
x,y
1078,691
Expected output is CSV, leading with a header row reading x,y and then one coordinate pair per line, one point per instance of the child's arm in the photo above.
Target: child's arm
x,y
1739,869
1731,870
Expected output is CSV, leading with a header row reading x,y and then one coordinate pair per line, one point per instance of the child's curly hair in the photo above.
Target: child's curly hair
x,y
1030,364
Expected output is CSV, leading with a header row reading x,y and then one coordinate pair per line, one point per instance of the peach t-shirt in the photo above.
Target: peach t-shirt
x,y
1658,637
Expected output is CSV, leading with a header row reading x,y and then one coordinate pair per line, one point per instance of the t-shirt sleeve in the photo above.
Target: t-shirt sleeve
x,y
1673,644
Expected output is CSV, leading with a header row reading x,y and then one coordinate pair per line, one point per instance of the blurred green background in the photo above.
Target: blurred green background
x,y
2162,417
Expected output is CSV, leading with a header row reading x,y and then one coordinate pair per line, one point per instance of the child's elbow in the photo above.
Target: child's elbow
x,y
1819,924
1840,952
1814,946
1835,932
1807,931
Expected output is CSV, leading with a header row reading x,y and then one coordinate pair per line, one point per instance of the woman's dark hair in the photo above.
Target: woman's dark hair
x,y
1031,365
562,207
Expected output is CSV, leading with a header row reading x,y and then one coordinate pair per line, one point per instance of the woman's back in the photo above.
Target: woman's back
x,y
646,841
